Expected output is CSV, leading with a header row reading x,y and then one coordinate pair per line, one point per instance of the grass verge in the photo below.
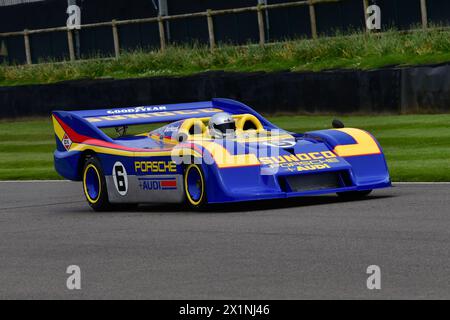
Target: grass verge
x,y
417,147
355,51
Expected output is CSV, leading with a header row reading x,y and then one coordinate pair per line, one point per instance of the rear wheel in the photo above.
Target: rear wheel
x,y
195,188
354,195
94,185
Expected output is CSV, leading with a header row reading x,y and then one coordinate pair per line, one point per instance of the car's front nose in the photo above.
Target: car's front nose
x,y
279,171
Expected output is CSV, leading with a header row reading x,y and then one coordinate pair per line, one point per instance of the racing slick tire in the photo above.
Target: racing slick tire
x,y
354,195
94,185
195,187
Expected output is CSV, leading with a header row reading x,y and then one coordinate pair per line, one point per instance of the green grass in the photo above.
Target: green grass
x,y
26,150
356,51
417,147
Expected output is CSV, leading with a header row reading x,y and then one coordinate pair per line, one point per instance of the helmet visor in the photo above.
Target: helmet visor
x,y
224,127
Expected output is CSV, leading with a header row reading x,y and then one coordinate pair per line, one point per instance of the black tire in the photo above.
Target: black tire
x,y
354,195
193,201
97,199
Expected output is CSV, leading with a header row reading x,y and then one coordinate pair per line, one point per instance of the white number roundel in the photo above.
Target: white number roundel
x,y
120,178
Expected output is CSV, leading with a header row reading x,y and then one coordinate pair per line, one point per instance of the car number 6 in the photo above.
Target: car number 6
x,y
120,178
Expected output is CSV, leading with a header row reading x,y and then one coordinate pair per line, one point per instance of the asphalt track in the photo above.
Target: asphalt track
x,y
301,249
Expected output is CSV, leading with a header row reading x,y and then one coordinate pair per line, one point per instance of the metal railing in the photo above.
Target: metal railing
x,y
208,14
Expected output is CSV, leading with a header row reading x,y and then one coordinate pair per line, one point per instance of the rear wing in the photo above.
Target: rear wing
x,y
106,118
80,126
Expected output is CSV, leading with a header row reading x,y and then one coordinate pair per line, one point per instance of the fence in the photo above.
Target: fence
x,y
209,15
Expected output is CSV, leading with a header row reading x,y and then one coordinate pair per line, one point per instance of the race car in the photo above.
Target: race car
x,y
189,158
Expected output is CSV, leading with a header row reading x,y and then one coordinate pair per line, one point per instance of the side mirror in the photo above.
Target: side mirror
x,y
121,131
337,124
181,137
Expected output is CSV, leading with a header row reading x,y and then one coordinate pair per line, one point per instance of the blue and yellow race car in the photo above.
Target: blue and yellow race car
x,y
182,161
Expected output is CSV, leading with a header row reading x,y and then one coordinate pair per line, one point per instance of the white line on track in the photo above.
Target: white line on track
x,y
38,181
418,183
33,181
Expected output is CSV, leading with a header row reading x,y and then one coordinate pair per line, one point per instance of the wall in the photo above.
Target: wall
x,y
419,89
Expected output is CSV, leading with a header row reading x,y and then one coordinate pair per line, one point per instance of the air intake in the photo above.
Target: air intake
x,y
318,181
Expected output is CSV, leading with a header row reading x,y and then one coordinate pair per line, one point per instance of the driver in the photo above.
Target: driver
x,y
222,125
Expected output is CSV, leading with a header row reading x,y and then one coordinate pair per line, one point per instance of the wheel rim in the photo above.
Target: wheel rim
x,y
194,185
92,186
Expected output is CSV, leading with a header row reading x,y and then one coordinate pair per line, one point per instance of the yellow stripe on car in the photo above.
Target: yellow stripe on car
x,y
224,159
365,144
58,129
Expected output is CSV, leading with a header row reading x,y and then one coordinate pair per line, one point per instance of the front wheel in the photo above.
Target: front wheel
x,y
354,195
195,187
94,185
